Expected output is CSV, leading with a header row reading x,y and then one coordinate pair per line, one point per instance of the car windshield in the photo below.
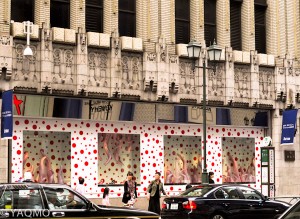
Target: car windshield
x,y
197,191
294,213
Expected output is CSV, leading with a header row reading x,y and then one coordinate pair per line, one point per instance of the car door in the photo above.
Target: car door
x,y
22,202
228,200
257,206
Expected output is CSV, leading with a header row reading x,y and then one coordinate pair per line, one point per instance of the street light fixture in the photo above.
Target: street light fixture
x,y
214,54
28,30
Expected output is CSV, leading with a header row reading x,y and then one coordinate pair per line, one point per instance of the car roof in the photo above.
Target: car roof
x,y
31,185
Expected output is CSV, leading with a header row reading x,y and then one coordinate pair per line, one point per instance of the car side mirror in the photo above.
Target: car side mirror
x,y
266,198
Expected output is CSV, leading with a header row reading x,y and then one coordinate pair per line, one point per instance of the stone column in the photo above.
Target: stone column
x,y
197,20
4,161
248,26
42,13
223,23
110,16
77,14
5,17
271,28
281,28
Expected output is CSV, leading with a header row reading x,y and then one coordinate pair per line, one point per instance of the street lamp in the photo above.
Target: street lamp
x,y
214,54
28,30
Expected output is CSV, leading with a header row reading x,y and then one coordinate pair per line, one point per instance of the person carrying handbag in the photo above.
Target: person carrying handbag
x,y
130,194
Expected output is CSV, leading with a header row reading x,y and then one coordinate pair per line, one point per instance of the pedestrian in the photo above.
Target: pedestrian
x,y
105,200
130,194
155,189
211,177
188,186
80,187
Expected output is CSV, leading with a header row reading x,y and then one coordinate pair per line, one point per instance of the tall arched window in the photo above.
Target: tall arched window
x,y
182,21
60,13
22,10
236,24
127,18
94,16
210,21
260,25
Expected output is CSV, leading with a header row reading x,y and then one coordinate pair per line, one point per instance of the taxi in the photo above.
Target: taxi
x,y
37,200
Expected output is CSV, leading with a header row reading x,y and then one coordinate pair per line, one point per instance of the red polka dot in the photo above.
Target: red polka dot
x,y
74,145
34,127
18,152
81,133
15,137
116,130
86,163
76,165
48,127
81,151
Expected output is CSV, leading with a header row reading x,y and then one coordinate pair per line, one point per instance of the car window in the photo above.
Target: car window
x,y
231,192
196,191
221,194
63,199
294,213
250,193
21,199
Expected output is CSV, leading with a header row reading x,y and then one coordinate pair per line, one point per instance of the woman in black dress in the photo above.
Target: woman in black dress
x,y
155,188
130,194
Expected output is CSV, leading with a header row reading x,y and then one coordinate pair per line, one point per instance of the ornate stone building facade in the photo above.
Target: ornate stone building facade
x,y
151,67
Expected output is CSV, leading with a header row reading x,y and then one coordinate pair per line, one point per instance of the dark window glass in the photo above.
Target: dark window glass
x,y
22,10
210,32
182,21
60,13
235,25
260,28
127,18
94,16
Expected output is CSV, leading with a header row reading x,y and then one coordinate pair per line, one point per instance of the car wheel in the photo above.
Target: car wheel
x,y
217,216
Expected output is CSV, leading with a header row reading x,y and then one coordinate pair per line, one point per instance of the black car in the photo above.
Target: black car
x,y
33,200
292,213
221,202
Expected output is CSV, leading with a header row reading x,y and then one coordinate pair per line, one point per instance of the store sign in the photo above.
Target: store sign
x,y
7,114
288,126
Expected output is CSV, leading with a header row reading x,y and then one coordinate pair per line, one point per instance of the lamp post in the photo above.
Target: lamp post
x,y
28,30
214,54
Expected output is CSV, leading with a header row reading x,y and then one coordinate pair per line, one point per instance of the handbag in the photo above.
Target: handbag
x,y
126,197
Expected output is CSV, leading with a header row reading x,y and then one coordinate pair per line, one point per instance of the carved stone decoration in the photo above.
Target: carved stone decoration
x,y
24,68
151,57
116,45
5,68
98,68
47,38
281,71
56,63
266,84
82,47
241,82
5,40
173,59
216,81
297,71
188,83
68,63
131,71
63,66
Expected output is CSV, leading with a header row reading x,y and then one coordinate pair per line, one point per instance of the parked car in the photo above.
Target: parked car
x,y
292,213
221,202
34,200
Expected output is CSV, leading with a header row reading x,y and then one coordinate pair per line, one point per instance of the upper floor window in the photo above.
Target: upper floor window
x,y
94,16
260,26
210,21
182,21
22,10
127,18
60,13
235,24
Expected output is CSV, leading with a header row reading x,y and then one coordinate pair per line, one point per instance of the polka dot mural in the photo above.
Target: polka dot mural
x,y
118,154
47,156
238,160
183,160
82,147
